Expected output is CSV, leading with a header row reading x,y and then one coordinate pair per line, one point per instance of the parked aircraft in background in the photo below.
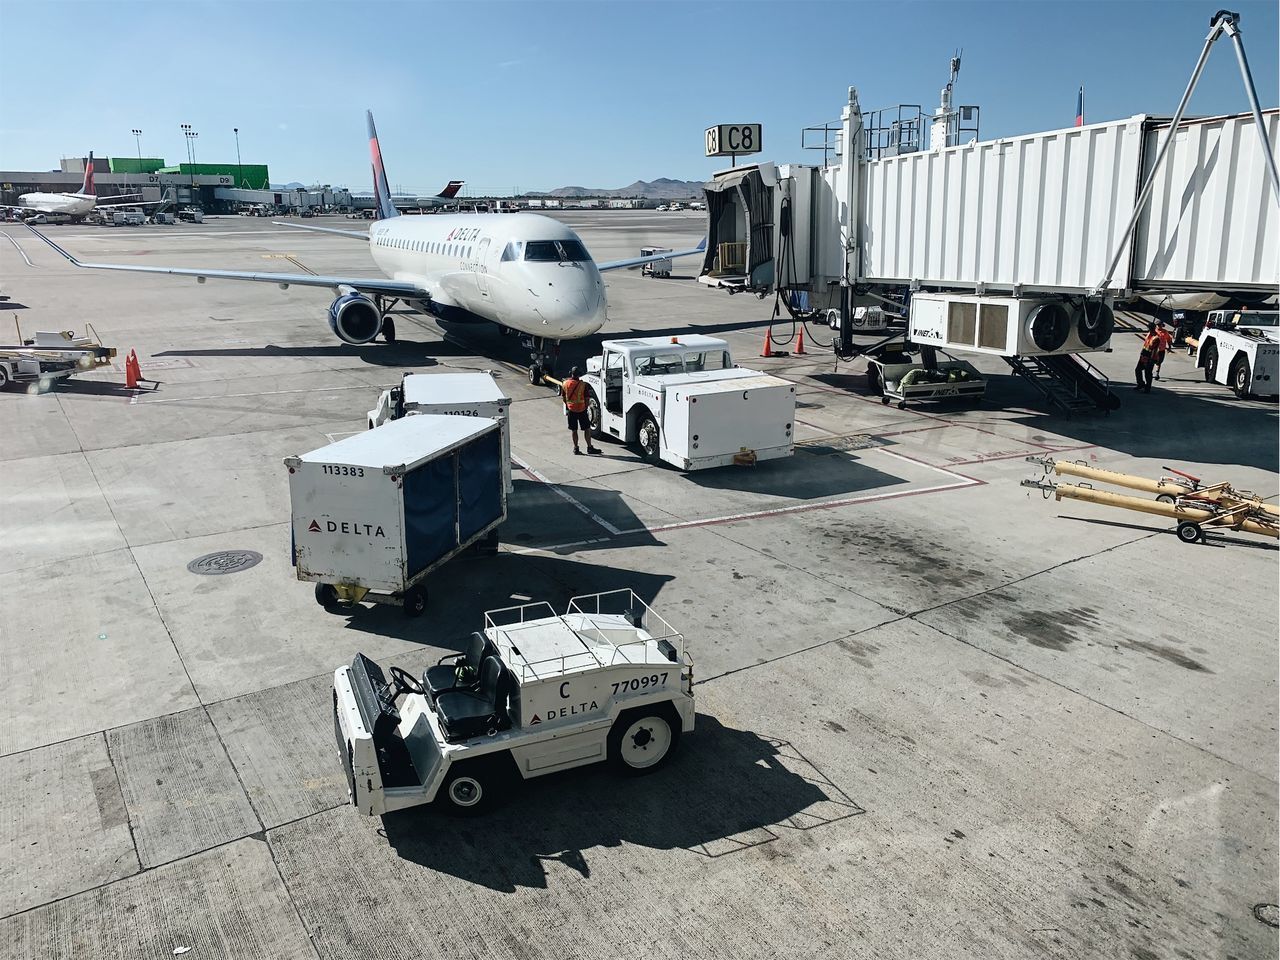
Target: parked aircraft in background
x,y
525,272
75,205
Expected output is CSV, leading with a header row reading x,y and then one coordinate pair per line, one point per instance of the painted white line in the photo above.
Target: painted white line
x,y
928,466
581,507
555,548
18,248
333,437
266,393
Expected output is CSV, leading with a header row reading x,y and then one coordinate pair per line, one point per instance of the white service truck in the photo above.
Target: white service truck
x,y
375,513
534,693
448,395
683,401
47,357
1241,349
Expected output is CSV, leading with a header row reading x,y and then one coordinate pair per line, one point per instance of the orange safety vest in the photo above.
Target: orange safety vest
x,y
575,395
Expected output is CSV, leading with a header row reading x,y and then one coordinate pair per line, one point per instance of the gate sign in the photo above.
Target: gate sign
x,y
733,139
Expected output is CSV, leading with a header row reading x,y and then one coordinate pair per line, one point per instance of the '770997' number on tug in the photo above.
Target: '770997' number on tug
x,y
638,683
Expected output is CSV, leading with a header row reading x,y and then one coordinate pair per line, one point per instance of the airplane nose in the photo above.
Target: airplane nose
x,y
576,311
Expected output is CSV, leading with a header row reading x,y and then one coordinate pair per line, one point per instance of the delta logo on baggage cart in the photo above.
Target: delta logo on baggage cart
x,y
350,527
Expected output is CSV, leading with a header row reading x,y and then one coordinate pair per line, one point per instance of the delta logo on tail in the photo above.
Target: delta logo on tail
x,y
451,191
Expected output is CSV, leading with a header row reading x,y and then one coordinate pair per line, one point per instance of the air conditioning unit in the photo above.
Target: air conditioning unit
x,y
1009,326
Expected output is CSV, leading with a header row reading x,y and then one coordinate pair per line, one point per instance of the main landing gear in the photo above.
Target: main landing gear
x,y
541,362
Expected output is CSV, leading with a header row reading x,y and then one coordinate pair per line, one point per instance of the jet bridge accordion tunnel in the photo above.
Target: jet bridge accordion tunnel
x,y
740,229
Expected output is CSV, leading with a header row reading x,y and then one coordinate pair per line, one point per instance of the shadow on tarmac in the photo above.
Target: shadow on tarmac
x,y
817,472
459,594
723,792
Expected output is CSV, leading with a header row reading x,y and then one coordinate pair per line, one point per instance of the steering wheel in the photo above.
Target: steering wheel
x,y
406,682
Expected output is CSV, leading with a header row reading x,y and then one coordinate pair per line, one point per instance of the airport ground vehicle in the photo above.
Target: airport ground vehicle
x,y
191,214
164,218
127,218
375,513
534,693
682,400
448,395
1241,349
655,268
51,356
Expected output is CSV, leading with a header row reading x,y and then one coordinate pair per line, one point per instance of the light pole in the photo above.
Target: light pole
x,y
191,154
239,168
137,138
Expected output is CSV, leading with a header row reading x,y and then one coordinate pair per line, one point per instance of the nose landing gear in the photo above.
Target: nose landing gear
x,y
542,363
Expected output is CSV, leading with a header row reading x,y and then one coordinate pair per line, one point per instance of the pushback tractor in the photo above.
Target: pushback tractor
x,y
533,693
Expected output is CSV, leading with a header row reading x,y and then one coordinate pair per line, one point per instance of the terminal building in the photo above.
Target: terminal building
x,y
213,187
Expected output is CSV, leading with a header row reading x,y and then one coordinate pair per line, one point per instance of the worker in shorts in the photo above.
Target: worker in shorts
x,y
1147,358
574,393
1166,342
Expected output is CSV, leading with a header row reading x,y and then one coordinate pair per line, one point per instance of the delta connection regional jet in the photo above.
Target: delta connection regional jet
x,y
522,271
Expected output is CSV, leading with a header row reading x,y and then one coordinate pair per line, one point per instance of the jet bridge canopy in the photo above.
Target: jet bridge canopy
x,y
740,225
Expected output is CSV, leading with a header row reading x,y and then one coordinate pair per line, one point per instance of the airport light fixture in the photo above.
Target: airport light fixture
x,y
191,152
137,139
239,168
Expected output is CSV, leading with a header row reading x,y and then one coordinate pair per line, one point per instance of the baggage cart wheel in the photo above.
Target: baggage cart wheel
x,y
4,376
644,739
1190,532
1165,498
885,401
326,596
414,601
902,404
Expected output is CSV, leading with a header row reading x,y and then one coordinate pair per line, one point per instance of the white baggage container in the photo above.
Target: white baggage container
x,y
375,513
448,394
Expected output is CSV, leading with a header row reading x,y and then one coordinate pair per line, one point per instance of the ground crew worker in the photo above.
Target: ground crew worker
x,y
1147,358
574,393
1166,341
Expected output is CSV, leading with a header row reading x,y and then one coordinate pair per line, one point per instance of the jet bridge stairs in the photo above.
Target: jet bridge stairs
x,y
1068,382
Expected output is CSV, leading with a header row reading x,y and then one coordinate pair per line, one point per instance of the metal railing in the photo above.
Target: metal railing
x,y
600,649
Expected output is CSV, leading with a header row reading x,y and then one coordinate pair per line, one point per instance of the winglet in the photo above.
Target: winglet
x,y
381,186
451,191
702,245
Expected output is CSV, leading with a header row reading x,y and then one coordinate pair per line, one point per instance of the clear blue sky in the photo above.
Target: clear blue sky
x,y
598,94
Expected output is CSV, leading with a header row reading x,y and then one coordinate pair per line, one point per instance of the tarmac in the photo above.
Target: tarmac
x,y
937,717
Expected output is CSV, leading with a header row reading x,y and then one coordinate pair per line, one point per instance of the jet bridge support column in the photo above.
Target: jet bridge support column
x,y
848,211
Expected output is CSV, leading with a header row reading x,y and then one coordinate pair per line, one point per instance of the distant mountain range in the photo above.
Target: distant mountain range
x,y
663,188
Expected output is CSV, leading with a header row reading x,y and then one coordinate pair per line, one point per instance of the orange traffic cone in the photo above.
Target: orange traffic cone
x,y
132,371
768,343
800,341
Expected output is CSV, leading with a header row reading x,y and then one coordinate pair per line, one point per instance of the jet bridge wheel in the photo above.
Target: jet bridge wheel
x,y
643,739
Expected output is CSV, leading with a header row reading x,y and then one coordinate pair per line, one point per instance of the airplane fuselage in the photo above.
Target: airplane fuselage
x,y
68,204
521,270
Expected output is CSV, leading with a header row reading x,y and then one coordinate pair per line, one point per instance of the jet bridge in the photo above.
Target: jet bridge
x,y
1075,217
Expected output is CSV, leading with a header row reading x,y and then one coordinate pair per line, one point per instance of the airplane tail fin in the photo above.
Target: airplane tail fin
x,y
87,187
451,191
381,186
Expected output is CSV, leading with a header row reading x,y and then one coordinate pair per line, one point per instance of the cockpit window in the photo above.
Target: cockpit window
x,y
555,251
513,251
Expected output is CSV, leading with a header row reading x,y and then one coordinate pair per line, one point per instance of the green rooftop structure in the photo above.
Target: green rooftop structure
x,y
135,164
251,175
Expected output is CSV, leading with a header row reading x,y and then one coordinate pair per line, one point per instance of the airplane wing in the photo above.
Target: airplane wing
x,y
392,288
639,261
334,230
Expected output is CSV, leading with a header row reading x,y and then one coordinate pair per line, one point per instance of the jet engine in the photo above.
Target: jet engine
x,y
354,319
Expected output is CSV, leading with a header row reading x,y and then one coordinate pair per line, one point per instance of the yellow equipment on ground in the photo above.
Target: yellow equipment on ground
x,y
1180,497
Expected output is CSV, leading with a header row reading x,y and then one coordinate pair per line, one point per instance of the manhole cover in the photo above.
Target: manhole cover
x,y
1268,913
224,561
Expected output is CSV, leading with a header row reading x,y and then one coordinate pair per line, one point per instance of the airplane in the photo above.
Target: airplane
x,y
74,205
404,201
527,273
